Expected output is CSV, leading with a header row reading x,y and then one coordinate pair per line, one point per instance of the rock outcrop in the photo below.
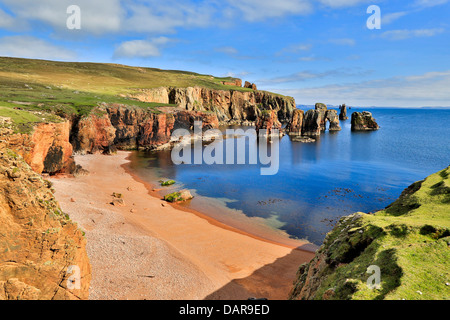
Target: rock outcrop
x,y
408,242
38,242
126,127
343,112
294,128
332,117
315,121
236,83
363,121
46,149
250,85
267,123
229,105
93,133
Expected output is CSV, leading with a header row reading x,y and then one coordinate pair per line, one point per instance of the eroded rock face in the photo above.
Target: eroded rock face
x,y
93,133
38,241
229,105
126,128
332,117
237,83
295,126
47,149
267,123
250,85
313,123
363,121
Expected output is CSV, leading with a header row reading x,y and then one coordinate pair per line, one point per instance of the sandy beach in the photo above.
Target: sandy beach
x,y
149,249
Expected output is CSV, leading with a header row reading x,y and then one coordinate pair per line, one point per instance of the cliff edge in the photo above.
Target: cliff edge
x,y
38,242
409,242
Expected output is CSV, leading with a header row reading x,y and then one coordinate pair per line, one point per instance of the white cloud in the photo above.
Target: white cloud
x,y
6,21
240,75
257,10
391,17
30,47
140,48
294,48
343,42
227,50
97,17
429,3
309,75
165,16
406,33
429,89
341,3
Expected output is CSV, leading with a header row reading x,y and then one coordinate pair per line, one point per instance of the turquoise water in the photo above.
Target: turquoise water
x,y
341,173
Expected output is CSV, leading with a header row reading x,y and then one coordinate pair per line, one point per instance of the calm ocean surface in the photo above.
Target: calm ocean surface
x,y
317,183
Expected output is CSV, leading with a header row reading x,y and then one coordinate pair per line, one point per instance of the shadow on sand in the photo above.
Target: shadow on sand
x,y
273,281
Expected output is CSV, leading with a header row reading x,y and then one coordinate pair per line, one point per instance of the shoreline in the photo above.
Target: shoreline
x,y
303,244
149,249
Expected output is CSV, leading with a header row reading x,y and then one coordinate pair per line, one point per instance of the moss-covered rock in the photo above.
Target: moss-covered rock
x,y
409,241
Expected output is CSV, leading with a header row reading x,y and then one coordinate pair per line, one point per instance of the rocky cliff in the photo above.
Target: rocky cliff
x,y
113,126
38,242
313,122
47,149
229,105
409,242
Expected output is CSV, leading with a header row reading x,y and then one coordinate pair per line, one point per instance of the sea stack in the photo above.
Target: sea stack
x,y
312,123
268,122
332,116
343,113
363,121
295,126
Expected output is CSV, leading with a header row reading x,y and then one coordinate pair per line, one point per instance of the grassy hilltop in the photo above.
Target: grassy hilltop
x,y
39,90
409,241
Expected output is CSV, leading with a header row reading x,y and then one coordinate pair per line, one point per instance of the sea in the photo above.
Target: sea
x,y
316,183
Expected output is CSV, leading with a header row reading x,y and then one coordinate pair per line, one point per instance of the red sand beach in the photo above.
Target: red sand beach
x,y
149,249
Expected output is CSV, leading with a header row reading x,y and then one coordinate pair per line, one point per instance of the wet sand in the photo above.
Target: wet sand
x,y
149,249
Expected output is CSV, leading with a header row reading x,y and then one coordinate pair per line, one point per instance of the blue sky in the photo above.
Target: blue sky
x,y
313,50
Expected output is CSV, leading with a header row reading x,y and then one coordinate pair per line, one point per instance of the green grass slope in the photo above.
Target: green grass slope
x,y
63,89
409,241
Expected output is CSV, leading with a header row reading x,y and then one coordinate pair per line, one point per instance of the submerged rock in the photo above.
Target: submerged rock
x,y
302,139
363,121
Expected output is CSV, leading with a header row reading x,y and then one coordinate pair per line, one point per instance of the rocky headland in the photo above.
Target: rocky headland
x,y
408,241
38,241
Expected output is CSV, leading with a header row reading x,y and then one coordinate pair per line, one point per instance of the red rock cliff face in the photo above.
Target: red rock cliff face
x,y
37,240
93,133
47,149
229,105
127,128
267,123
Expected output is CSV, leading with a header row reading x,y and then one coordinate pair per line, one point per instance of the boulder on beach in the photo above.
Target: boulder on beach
x,y
179,196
